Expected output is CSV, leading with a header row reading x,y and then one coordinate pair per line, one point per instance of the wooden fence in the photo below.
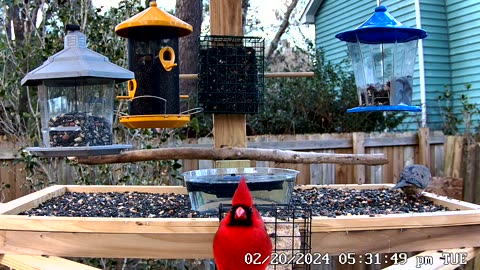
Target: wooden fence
x,y
12,173
401,149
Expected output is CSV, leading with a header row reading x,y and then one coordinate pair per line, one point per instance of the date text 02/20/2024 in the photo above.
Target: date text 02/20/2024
x,y
352,258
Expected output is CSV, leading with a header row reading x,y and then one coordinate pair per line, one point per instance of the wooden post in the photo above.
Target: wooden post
x,y
229,130
424,146
359,148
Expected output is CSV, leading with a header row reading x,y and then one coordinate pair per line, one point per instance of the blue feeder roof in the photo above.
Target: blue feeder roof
x,y
382,27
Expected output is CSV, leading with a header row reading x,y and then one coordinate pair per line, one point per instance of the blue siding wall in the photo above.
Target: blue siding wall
x,y
436,57
463,17
334,17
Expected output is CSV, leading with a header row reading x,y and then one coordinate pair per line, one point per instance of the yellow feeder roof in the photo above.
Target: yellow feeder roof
x,y
153,16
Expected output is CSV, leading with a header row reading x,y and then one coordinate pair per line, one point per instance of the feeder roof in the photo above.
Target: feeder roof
x,y
382,27
153,17
76,61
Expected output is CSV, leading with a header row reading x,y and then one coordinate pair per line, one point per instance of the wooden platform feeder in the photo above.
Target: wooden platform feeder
x,y
174,238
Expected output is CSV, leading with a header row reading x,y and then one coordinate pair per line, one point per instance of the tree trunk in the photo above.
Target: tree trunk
x,y
189,11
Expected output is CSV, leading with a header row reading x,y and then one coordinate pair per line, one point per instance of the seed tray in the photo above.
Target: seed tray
x,y
174,238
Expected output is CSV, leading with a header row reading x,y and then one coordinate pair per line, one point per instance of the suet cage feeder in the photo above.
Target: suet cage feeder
x,y
76,93
154,95
383,53
290,229
230,74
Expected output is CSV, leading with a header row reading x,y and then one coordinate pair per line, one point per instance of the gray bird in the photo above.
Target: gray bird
x,y
413,180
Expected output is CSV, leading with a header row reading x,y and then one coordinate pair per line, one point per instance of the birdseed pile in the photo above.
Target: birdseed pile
x,y
322,201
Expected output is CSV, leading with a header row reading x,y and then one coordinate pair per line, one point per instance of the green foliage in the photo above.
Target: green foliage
x,y
316,105
454,116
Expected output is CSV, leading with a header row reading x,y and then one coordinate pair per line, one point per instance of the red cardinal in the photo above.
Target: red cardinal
x,y
242,242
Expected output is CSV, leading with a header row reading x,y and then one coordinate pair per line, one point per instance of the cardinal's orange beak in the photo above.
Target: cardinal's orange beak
x,y
240,213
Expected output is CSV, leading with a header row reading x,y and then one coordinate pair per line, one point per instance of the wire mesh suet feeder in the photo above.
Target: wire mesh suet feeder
x,y
230,74
76,95
290,229
154,95
383,53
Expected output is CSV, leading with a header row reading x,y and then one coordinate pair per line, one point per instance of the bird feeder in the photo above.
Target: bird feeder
x,y
153,96
76,95
230,74
383,53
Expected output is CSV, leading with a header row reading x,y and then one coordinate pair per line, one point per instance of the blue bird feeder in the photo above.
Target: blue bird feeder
x,y
383,53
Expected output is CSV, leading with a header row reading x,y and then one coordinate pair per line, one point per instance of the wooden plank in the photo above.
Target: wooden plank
x,y
226,19
387,169
99,225
389,241
424,146
439,164
304,145
303,178
333,141
28,262
20,175
376,172
31,200
396,221
458,157
390,141
408,155
397,163
229,130
232,163
470,162
449,155
359,148
8,184
446,259
476,169
189,165
451,203
108,245
174,246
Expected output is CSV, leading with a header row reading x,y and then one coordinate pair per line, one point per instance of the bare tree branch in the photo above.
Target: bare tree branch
x,y
281,156
283,27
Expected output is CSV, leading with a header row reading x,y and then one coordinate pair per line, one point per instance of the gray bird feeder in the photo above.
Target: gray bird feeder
x,y
76,96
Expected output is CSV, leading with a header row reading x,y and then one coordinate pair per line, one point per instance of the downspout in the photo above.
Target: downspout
x,y
421,66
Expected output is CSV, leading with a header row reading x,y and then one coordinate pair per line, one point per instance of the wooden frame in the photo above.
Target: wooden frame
x,y
192,237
